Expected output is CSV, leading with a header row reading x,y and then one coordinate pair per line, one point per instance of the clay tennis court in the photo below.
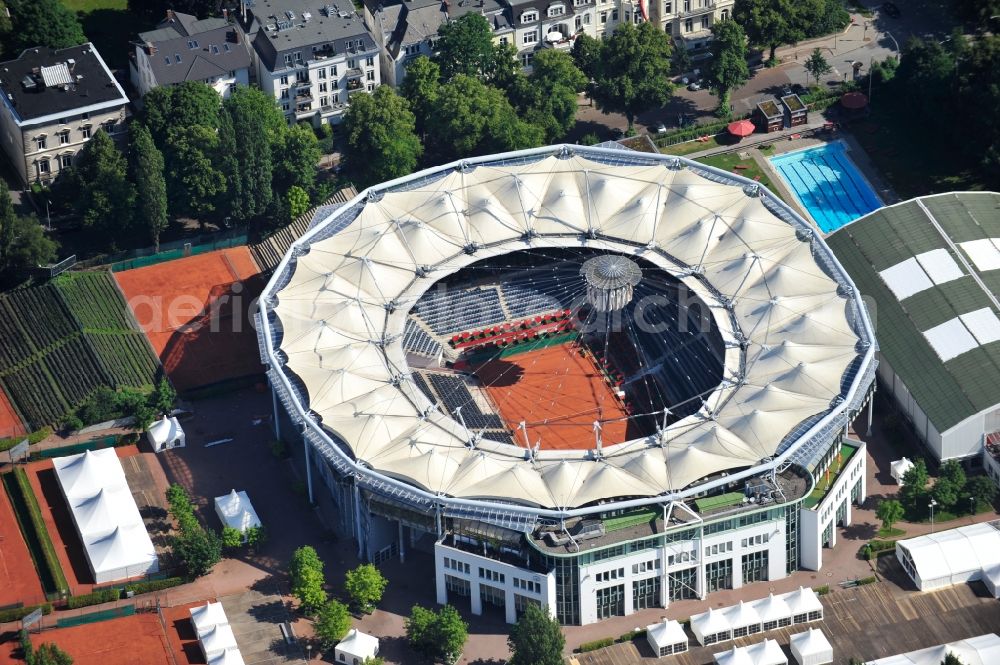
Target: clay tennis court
x,y
18,579
10,423
195,313
558,393
134,640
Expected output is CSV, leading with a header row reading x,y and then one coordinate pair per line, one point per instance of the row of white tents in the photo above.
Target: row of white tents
x,y
980,650
955,556
215,635
808,648
795,607
105,515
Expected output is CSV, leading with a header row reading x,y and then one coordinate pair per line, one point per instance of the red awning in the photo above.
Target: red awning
x,y
854,100
741,128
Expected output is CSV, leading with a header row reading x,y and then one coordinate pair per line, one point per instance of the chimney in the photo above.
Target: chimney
x,y
171,16
150,48
71,65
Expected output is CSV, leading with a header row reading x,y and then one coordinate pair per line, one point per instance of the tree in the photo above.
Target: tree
x,y
195,184
332,624
198,550
382,143
48,654
154,10
981,489
587,55
420,88
163,397
439,636
306,571
633,73
150,184
182,105
104,196
536,639
768,23
465,46
817,65
249,125
296,202
681,62
913,495
548,98
951,659
470,118
376,660
889,511
46,23
23,243
296,154
365,586
231,537
729,69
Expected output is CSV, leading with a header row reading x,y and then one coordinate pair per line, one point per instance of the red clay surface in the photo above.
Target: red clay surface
x,y
558,393
135,640
10,424
59,522
18,578
195,313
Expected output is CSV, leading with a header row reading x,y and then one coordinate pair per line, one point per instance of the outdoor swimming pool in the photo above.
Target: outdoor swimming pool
x,y
827,184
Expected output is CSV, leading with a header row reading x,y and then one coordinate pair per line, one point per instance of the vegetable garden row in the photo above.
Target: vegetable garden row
x,y
65,339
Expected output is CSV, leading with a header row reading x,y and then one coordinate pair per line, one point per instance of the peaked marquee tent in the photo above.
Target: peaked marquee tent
x,y
667,638
981,650
899,468
356,647
762,653
105,515
236,511
166,434
811,648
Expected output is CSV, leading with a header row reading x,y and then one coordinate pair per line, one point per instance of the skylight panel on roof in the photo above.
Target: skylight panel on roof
x,y
950,339
939,266
983,324
192,44
215,49
906,278
177,57
985,253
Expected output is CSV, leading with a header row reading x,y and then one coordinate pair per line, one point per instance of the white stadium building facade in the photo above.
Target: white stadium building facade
x,y
735,348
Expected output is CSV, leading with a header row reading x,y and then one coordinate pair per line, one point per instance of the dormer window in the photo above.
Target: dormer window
x,y
529,17
557,10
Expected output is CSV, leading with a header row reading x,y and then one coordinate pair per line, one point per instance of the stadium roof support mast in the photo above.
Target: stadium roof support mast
x,y
611,280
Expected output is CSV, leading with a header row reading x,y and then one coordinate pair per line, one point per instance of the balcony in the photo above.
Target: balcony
x,y
304,111
708,6
354,73
303,95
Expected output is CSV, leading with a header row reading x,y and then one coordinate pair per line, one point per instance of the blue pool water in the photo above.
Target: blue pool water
x,y
827,184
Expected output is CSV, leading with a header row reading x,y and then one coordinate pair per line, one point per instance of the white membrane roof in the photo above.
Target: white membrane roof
x,y
342,303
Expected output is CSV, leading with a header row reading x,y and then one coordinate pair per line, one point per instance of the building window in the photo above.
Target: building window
x,y
284,93
646,593
371,87
614,14
504,40
66,161
526,59
288,58
604,17
719,575
755,567
63,138
333,71
284,107
529,37
323,86
321,72
192,44
586,19
370,62
683,584
323,101
668,7
529,17
725,14
214,49
611,602
298,56
578,22
688,25
283,80
42,167
556,10
370,76
40,143
85,131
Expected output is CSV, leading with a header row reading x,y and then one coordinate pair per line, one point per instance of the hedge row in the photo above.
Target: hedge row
x,y
53,569
18,613
154,585
596,644
95,598
867,580
33,438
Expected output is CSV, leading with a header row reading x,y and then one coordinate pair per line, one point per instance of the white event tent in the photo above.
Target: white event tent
x,y
711,627
105,515
227,657
743,619
955,556
236,511
356,647
217,639
899,468
763,653
795,607
805,605
215,635
667,638
207,616
165,434
811,648
980,650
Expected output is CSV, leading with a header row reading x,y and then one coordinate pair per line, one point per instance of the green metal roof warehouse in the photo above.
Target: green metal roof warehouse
x,y
930,268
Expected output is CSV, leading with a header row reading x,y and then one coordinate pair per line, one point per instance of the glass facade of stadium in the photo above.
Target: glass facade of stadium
x,y
758,520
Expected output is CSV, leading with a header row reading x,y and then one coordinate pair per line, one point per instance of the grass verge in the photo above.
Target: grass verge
x,y
748,168
36,536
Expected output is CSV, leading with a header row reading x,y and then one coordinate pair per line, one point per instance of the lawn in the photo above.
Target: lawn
x,y
687,147
748,168
110,26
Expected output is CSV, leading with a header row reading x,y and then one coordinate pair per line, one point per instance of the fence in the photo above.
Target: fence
x,y
94,617
98,443
169,251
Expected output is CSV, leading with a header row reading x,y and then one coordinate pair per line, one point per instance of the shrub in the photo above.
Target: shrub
x,y
822,590
631,635
95,598
36,531
231,537
154,585
596,644
17,613
33,438
867,580
278,449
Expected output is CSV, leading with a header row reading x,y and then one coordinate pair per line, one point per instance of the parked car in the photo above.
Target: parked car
x,y
786,90
799,89
661,128
694,86
890,9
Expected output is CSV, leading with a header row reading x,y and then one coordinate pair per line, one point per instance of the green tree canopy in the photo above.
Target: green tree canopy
x,y
154,10
981,488
548,98
889,511
195,183
633,73
180,106
198,550
150,184
817,65
587,55
306,572
440,635
382,143
536,639
471,118
296,156
914,494
231,537
104,196
465,46
768,23
23,243
364,586
249,125
332,624
296,202
420,88
729,69
43,23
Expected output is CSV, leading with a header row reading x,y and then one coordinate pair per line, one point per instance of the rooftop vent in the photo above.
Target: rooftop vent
x,y
290,14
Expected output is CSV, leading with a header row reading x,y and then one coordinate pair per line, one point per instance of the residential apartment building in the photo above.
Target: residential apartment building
x,y
53,102
311,56
405,29
554,24
690,22
183,48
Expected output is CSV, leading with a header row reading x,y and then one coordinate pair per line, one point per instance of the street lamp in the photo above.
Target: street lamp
x,y
972,506
309,652
932,504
